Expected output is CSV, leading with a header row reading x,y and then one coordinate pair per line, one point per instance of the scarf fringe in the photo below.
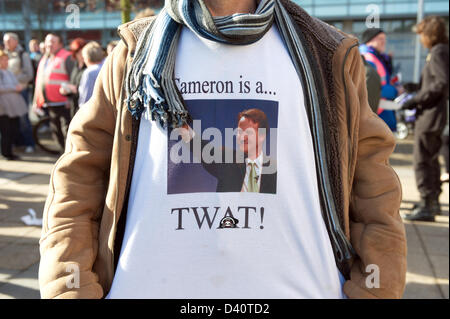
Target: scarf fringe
x,y
150,86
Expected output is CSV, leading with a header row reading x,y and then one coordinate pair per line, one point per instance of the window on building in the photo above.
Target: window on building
x,y
144,4
358,27
13,6
136,5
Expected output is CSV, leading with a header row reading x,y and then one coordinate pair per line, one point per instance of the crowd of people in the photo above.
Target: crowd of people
x,y
429,102
47,79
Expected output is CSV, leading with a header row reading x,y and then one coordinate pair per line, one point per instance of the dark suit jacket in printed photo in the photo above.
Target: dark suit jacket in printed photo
x,y
230,176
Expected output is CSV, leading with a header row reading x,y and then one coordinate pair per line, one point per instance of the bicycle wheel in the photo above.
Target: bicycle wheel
x,y
44,138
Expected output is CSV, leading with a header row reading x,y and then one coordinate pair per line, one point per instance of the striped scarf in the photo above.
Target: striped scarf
x,y
150,81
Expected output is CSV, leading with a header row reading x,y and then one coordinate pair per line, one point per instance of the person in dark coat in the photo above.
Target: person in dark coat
x,y
373,83
431,105
373,49
71,90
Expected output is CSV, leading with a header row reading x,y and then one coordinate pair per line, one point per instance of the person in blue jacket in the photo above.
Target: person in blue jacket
x,y
373,49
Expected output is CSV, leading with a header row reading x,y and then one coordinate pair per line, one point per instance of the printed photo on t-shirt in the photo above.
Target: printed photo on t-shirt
x,y
229,146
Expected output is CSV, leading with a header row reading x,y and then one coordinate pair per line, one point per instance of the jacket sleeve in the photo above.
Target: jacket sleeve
x,y
373,83
27,69
376,229
430,93
7,87
69,64
72,213
82,89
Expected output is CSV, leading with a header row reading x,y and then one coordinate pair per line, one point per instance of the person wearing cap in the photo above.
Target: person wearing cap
x,y
373,50
431,105
71,89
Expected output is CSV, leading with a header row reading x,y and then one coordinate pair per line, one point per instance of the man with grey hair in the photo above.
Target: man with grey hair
x,y
19,62
20,65
93,56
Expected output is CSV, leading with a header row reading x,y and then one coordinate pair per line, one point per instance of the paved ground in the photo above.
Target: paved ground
x,y
24,185
428,243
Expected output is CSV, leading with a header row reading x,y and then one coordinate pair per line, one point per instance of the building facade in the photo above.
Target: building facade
x,y
395,17
98,20
91,19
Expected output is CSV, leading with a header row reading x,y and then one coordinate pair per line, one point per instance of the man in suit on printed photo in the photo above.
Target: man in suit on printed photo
x,y
249,169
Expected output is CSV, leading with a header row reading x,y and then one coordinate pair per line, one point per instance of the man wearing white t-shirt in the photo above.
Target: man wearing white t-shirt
x,y
137,222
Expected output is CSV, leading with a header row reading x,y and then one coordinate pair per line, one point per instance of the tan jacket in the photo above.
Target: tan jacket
x,y
89,183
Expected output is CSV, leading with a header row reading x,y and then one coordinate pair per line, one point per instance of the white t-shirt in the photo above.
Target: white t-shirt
x,y
191,232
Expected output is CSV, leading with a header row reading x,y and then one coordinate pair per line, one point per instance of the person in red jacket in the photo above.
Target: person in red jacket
x,y
53,73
